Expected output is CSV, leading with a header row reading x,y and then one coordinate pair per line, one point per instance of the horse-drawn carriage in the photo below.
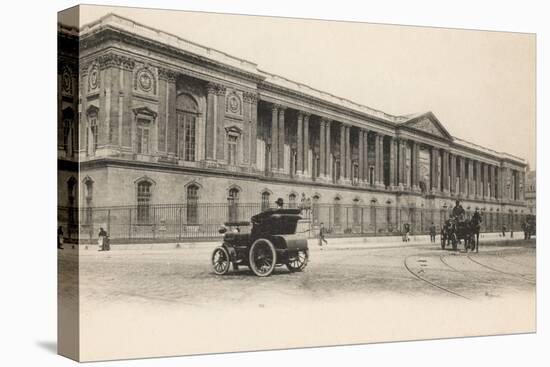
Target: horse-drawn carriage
x,y
455,231
272,242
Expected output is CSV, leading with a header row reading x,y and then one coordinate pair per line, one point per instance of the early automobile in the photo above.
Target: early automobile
x,y
272,242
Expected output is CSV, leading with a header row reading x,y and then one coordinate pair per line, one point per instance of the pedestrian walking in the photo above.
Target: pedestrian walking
x,y
322,238
60,238
406,231
503,231
432,232
102,240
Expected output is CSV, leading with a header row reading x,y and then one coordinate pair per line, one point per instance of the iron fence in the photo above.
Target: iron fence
x,y
181,222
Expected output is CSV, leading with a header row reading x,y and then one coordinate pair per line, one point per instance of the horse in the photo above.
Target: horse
x,y
474,229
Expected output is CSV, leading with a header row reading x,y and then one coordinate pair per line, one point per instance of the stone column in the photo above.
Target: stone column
x,y
281,128
328,143
361,154
492,181
445,171
365,156
522,183
306,145
393,162
274,138
322,149
462,167
251,101
342,152
220,128
300,144
479,191
471,187
400,163
377,160
348,153
435,170
486,181
210,121
452,185
495,182
414,164
382,161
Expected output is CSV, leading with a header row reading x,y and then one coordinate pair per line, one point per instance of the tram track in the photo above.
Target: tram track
x,y
500,254
429,282
514,275
466,274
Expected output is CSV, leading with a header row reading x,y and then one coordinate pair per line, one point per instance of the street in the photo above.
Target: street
x,y
381,293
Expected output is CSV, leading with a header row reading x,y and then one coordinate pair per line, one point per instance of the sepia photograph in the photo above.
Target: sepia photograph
x,y
230,183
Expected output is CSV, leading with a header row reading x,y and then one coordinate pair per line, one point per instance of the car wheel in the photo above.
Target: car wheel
x,y
298,262
220,261
262,257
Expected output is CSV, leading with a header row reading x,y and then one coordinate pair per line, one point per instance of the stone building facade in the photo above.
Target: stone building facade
x,y
531,192
147,117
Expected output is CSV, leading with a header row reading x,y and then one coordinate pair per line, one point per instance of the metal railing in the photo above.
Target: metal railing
x,y
182,222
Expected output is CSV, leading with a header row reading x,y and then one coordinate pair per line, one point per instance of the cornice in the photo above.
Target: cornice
x,y
108,33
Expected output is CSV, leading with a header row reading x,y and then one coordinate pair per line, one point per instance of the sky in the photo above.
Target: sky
x,y
481,85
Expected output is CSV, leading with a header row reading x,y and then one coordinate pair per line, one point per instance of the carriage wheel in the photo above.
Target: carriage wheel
x,y
220,261
262,257
298,262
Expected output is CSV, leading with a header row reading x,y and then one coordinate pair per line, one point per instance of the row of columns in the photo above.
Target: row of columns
x,y
450,173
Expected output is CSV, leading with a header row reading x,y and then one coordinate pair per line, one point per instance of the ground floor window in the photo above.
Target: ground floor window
x,y
143,201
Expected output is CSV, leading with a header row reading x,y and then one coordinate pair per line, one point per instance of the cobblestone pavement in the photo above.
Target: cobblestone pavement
x,y
175,284
186,277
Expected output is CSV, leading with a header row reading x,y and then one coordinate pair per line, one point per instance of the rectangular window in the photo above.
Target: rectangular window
x,y
142,137
143,199
93,130
192,205
189,138
232,150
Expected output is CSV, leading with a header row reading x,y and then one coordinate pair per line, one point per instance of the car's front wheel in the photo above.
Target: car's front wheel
x,y
220,261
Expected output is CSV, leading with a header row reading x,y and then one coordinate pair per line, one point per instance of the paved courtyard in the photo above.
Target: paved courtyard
x,y
410,291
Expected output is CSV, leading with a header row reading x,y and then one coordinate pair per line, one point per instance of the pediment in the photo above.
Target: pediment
x,y
145,111
429,124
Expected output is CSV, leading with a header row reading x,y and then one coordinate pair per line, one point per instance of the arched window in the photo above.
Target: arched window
x,y
292,200
337,211
192,200
265,200
143,201
187,113
233,204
